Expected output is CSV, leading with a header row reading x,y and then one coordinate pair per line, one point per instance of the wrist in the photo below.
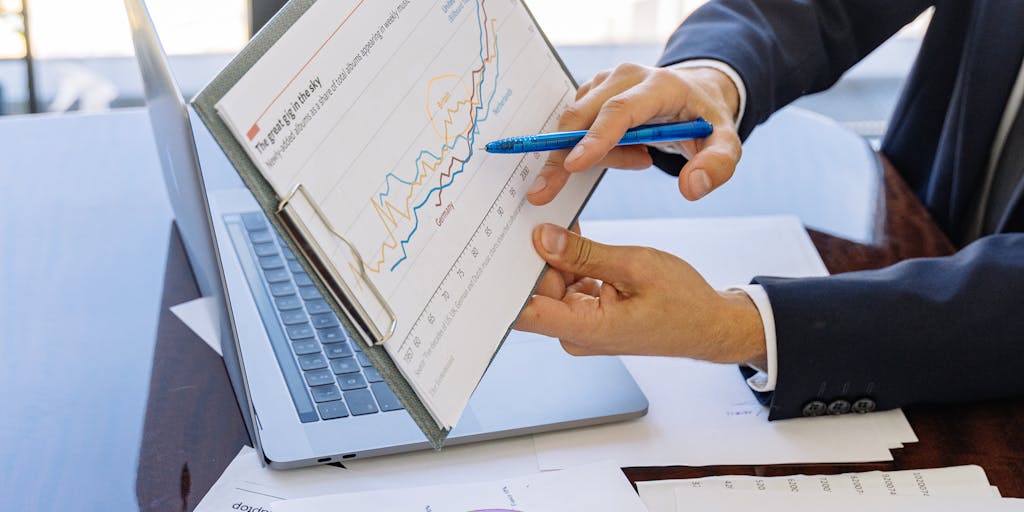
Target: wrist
x,y
742,331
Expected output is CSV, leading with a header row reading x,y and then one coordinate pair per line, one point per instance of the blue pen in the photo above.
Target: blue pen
x,y
646,134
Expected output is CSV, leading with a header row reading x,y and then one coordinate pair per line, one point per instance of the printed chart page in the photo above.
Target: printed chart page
x,y
378,111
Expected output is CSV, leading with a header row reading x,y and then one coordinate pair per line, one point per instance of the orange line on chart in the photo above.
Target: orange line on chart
x,y
388,212
255,129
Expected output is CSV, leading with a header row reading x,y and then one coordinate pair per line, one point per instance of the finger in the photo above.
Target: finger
x,y
581,114
551,284
577,350
585,88
551,317
549,181
627,157
586,286
570,252
618,114
712,165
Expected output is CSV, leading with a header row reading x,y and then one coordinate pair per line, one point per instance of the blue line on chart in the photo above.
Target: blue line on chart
x,y
470,140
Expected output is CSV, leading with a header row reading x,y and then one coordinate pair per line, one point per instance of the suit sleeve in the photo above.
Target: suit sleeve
x,y
783,49
927,330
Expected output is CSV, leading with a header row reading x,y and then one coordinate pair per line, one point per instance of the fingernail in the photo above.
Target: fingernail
x,y
552,238
576,152
538,184
700,182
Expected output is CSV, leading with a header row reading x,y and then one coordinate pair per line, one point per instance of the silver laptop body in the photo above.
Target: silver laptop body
x,y
532,385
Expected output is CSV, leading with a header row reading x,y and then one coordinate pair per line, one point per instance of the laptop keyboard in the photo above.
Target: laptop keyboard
x,y
328,375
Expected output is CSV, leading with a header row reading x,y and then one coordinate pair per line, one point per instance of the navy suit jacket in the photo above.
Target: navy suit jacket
x,y
926,330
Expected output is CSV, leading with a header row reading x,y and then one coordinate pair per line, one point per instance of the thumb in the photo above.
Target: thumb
x,y
712,165
570,252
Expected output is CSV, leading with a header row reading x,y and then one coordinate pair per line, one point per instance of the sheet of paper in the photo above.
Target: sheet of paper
x,y
378,109
599,486
246,483
893,425
660,495
730,502
202,317
704,413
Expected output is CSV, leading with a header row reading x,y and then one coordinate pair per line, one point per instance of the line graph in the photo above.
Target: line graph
x,y
387,153
457,149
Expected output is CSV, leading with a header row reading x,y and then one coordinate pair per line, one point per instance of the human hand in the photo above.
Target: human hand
x,y
649,303
632,95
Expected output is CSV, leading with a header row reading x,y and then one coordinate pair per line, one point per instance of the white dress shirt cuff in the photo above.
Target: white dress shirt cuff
x,y
764,379
729,72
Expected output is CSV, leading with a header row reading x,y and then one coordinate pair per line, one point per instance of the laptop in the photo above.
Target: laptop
x,y
305,389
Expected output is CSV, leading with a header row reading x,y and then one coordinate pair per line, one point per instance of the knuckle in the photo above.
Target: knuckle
x,y
571,117
627,68
582,254
570,348
663,77
617,103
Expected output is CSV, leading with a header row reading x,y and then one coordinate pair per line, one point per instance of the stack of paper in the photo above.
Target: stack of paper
x,y
599,486
961,488
246,485
705,414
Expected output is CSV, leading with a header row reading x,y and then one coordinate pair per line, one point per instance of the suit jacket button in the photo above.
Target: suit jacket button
x,y
864,405
839,407
814,408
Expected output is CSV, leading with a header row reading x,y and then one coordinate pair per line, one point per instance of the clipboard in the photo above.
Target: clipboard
x,y
280,211
287,209
328,272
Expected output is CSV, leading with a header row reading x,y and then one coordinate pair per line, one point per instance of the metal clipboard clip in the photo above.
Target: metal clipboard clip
x,y
329,274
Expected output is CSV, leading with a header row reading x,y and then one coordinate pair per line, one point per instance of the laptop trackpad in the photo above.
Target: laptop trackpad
x,y
533,382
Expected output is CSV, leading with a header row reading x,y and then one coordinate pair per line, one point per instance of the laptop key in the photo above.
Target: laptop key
x,y
254,221
271,262
386,398
282,289
326,393
309,292
363,360
287,252
360,401
304,347
299,332
315,307
332,410
336,350
278,275
372,375
303,279
293,317
267,249
350,381
319,377
288,302
332,335
294,266
261,237
324,320
344,365
312,361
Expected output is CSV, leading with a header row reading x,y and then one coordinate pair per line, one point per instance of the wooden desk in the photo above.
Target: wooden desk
x,y
193,427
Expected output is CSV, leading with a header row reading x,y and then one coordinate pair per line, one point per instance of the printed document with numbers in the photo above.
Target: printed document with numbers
x,y
370,117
